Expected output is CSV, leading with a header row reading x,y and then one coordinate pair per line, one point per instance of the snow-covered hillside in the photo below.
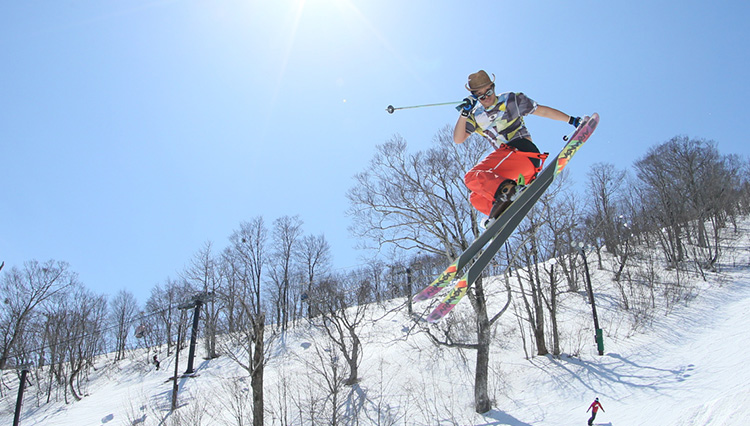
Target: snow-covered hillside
x,y
686,368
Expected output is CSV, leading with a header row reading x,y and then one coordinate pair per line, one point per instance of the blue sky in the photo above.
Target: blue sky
x,y
132,132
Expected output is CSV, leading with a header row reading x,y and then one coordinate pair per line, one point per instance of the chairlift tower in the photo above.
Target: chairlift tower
x,y
21,386
197,301
599,338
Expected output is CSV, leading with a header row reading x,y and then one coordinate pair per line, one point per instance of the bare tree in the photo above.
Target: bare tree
x,y
315,257
527,271
342,305
23,291
161,309
688,191
286,237
419,201
668,182
541,245
235,399
71,330
84,335
122,313
231,293
248,345
604,195
329,374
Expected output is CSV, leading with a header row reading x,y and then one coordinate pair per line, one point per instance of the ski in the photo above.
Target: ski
x,y
500,230
461,287
450,273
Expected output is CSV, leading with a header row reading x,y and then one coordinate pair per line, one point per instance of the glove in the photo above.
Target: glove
x,y
467,105
574,121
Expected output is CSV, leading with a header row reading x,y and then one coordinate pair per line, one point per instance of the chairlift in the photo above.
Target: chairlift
x,y
140,331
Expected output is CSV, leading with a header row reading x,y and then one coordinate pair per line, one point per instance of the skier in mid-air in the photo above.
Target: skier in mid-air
x,y
499,119
494,182
594,407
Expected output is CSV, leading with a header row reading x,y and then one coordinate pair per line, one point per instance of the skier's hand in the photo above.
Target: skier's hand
x,y
574,121
467,105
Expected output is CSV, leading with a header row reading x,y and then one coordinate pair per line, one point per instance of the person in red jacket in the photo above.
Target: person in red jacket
x,y
594,407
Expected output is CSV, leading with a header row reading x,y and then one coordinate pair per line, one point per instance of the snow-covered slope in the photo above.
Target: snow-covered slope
x,y
686,368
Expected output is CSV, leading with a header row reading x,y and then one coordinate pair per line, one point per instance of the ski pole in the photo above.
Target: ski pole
x,y
391,108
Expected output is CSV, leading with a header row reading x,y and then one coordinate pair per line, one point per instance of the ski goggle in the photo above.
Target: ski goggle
x,y
486,94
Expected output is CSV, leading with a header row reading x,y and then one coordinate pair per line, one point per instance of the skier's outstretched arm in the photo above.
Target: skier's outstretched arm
x,y
548,112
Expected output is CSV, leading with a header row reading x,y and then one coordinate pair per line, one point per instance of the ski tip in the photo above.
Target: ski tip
x,y
593,121
422,296
440,312
588,120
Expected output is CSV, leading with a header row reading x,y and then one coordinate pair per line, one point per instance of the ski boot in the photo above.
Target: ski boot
x,y
503,197
505,194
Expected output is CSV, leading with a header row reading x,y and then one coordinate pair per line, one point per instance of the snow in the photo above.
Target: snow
x,y
686,369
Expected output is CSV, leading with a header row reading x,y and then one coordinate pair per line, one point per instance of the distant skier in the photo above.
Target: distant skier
x,y
594,407
499,119
156,362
